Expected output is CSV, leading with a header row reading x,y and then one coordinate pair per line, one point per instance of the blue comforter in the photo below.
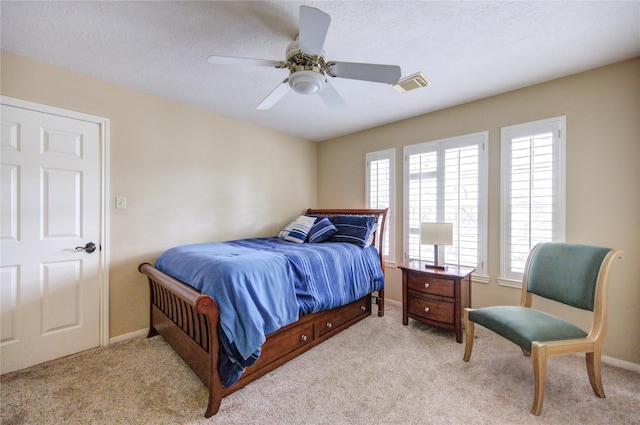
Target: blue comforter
x,y
261,285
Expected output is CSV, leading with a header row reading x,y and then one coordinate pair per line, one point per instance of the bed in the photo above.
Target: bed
x,y
200,318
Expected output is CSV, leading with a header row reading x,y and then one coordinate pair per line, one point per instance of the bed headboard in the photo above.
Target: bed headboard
x,y
379,214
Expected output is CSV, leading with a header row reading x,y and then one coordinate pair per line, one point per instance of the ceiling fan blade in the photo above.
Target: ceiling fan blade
x,y
273,97
230,60
333,99
314,24
389,74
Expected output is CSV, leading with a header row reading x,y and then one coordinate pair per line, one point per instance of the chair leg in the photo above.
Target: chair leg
x,y
594,371
539,355
469,329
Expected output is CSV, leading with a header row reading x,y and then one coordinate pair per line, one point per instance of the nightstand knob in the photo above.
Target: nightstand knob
x,y
329,325
426,309
426,285
363,308
304,337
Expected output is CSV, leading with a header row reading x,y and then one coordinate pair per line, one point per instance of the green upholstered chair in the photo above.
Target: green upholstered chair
x,y
576,275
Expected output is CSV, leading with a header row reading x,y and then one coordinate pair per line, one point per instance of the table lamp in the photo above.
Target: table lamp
x,y
436,234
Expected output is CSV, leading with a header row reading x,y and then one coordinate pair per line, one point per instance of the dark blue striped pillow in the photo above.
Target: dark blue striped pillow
x,y
322,230
354,229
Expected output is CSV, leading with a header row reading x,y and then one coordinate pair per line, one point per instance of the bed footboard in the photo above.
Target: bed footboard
x,y
188,321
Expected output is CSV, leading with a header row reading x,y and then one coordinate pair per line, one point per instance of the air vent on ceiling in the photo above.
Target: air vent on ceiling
x,y
412,82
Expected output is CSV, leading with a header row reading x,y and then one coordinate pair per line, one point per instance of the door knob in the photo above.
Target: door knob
x,y
89,248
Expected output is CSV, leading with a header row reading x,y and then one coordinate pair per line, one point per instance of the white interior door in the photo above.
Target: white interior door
x,y
51,204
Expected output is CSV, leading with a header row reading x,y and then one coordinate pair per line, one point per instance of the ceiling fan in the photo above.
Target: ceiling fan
x,y
308,67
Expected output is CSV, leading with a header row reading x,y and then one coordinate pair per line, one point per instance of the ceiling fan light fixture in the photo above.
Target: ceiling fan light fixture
x,y
306,82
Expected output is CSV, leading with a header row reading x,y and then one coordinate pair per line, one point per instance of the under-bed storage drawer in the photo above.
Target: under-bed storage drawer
x,y
283,342
334,320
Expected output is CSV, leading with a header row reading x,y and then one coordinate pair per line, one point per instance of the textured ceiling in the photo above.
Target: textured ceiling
x,y
469,50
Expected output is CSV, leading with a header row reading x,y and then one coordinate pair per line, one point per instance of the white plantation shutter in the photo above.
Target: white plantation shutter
x,y
445,181
462,203
380,193
533,199
423,200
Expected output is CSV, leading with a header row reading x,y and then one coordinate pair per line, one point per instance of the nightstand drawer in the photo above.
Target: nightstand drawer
x,y
430,285
431,309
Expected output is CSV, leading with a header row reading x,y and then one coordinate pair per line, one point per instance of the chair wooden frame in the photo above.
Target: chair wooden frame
x,y
591,345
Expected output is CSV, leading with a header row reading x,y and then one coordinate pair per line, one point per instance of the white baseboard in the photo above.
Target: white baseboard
x,y
130,335
621,364
393,302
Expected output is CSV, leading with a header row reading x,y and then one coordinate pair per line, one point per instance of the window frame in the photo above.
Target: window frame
x,y
557,127
481,139
390,227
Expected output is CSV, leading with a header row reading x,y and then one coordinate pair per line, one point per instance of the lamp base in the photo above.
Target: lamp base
x,y
436,256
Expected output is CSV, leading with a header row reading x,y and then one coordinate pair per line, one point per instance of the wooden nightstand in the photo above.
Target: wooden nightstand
x,y
436,297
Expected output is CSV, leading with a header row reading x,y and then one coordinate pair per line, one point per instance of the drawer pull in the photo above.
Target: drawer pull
x,y
304,338
426,309
426,285
329,325
363,308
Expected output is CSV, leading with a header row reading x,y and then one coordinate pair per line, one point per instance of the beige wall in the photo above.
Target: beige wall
x,y
603,178
188,175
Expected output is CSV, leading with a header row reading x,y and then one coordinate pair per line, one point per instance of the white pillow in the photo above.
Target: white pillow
x,y
298,229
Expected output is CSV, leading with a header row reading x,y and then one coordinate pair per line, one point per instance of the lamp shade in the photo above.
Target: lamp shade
x,y
436,233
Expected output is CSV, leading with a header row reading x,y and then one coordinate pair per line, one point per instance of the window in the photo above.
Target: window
x,y
532,188
446,181
380,193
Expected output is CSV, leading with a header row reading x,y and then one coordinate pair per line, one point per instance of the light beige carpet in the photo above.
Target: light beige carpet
x,y
376,372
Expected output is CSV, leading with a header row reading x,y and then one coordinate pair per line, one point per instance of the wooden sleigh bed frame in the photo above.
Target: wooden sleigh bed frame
x,y
188,320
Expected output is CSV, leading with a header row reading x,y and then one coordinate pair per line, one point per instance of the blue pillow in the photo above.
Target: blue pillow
x,y
354,229
322,230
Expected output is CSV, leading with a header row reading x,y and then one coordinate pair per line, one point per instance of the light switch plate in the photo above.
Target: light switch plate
x,y
121,202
